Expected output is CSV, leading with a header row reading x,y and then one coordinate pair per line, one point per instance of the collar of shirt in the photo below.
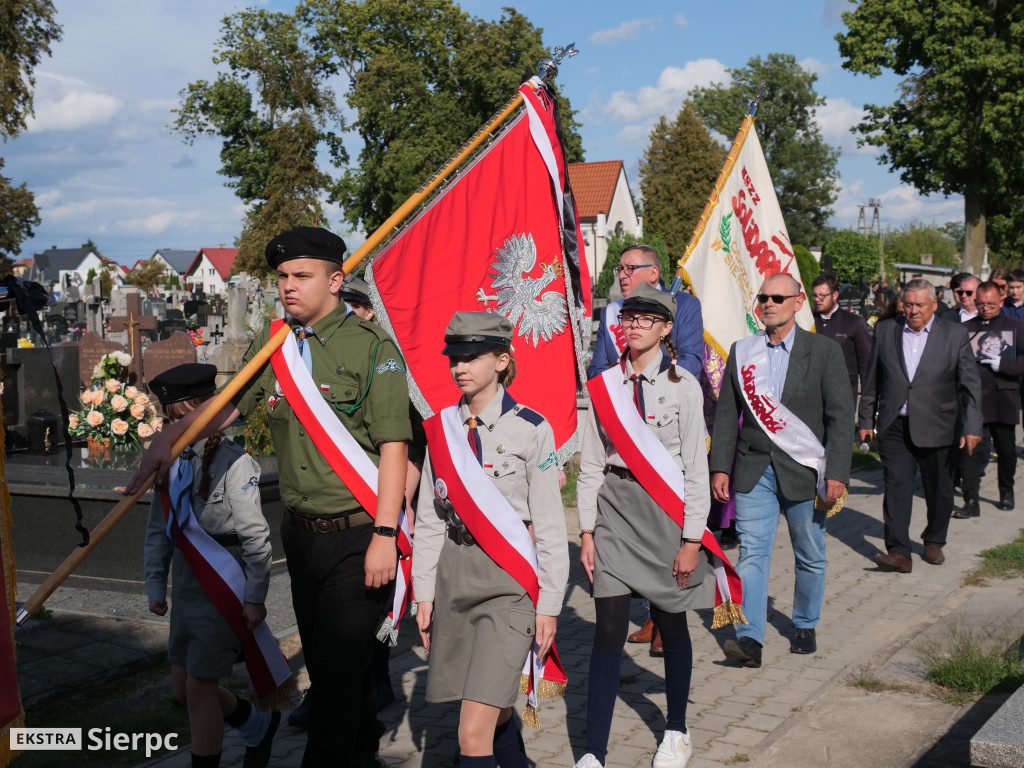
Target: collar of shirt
x,y
926,329
787,341
829,315
488,414
965,315
325,327
650,371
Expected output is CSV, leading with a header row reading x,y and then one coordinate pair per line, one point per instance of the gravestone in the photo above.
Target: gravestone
x,y
134,322
164,355
91,350
228,355
30,386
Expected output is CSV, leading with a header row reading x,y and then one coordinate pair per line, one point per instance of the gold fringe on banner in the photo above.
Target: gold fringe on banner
x,y
728,613
546,689
819,503
280,699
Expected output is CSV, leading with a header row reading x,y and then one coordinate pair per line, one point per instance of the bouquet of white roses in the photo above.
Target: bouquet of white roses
x,y
113,410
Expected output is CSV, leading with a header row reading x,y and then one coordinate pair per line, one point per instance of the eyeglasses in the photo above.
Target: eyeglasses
x,y
821,295
777,298
629,269
999,284
988,304
960,292
643,322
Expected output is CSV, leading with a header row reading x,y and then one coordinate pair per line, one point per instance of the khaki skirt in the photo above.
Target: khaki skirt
x,y
483,628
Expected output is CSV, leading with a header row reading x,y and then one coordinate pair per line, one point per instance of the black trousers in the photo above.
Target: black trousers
x,y
900,460
338,618
1004,441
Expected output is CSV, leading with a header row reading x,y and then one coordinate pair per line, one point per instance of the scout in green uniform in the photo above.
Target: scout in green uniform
x,y
340,561
477,622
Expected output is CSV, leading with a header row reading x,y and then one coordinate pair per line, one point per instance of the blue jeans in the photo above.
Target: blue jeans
x,y
757,520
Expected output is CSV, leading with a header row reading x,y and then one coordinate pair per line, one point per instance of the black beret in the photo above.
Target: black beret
x,y
184,382
305,243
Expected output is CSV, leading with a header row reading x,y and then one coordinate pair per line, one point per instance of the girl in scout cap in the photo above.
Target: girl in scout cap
x,y
477,621
629,545
202,648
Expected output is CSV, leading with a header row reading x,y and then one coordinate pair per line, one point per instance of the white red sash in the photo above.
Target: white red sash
x,y
779,423
346,457
616,335
223,581
659,475
499,530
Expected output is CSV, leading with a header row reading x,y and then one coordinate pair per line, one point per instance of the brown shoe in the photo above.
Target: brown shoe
x,y
643,635
933,554
656,647
893,562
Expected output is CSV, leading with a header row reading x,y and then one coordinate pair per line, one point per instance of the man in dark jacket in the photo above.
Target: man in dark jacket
x,y
998,342
848,330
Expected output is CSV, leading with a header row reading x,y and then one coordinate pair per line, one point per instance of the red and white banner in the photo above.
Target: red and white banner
x,y
344,455
501,238
499,531
223,581
659,475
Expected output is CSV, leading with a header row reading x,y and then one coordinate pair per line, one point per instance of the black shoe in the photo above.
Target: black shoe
x,y
259,756
970,509
745,650
729,539
803,641
299,717
1005,500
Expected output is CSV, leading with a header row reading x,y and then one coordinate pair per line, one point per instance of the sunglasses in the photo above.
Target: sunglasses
x,y
777,298
964,293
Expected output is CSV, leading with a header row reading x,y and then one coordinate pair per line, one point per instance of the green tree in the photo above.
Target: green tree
x,y
802,164
147,276
677,172
853,256
18,215
423,78
808,266
273,112
905,245
955,125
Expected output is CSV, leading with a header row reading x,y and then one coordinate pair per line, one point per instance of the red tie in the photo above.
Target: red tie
x,y
474,440
638,398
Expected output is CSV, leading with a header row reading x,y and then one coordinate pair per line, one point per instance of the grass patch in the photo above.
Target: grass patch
x,y
141,704
569,490
739,757
867,460
42,614
864,677
1003,562
970,662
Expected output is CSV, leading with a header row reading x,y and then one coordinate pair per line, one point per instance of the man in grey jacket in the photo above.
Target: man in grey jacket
x,y
922,388
806,375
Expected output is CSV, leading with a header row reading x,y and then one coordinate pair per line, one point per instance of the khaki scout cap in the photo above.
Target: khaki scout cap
x,y
646,298
355,289
470,333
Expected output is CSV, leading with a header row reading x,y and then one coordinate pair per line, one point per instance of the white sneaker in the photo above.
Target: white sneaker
x,y
588,761
674,752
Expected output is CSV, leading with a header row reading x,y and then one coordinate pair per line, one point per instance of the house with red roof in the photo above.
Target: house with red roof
x,y
210,270
605,207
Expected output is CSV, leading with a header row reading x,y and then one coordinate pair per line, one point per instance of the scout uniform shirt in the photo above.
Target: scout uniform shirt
x,y
359,372
518,450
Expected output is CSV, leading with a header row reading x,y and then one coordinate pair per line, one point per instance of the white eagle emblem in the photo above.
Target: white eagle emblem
x,y
535,314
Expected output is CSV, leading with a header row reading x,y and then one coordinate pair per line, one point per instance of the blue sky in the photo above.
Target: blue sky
x,y
102,164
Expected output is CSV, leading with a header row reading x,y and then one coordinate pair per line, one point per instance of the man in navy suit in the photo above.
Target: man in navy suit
x,y
641,264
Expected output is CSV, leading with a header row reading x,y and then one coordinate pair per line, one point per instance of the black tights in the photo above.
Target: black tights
x,y
610,631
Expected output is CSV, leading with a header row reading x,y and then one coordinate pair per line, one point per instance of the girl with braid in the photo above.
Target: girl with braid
x,y
202,648
629,545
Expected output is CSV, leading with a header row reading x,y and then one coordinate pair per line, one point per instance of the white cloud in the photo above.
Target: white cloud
x,y
680,21
627,30
814,66
633,136
667,96
65,103
48,198
835,120
901,205
157,222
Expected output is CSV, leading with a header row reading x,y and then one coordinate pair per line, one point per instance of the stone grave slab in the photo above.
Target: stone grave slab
x,y
164,355
91,350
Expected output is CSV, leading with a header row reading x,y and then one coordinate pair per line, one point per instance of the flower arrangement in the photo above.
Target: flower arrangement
x,y
115,411
197,337
24,343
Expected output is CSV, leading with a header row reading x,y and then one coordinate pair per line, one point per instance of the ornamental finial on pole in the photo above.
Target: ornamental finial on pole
x,y
549,67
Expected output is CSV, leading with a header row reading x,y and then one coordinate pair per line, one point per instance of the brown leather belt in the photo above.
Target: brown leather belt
x,y
622,472
330,523
461,536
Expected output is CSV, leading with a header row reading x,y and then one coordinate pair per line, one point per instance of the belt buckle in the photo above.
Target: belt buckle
x,y
465,537
322,525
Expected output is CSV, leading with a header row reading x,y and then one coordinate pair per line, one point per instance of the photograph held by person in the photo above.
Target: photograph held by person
x,y
804,373
629,544
1000,398
219,483
846,329
922,386
341,558
476,620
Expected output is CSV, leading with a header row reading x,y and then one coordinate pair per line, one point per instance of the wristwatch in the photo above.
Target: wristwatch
x,y
383,530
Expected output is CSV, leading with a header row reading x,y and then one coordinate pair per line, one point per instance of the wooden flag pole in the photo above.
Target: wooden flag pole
x,y
716,191
106,525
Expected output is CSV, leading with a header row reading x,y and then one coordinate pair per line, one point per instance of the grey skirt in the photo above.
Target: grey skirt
x,y
200,640
483,628
636,545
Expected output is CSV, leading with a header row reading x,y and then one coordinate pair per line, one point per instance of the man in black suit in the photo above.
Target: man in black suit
x,y
848,330
963,285
922,384
999,344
